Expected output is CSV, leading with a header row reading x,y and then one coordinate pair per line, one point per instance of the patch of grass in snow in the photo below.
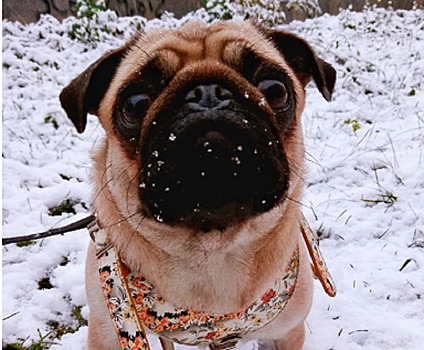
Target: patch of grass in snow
x,y
45,283
349,25
65,261
65,177
354,122
87,28
270,12
322,232
69,178
385,197
57,330
94,20
66,206
25,244
77,314
52,120
43,343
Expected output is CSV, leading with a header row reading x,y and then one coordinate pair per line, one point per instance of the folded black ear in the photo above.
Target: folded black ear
x,y
84,93
302,59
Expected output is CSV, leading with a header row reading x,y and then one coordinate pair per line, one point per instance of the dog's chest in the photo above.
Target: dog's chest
x,y
221,279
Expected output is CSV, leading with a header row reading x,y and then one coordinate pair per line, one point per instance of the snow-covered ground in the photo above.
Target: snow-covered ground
x,y
364,189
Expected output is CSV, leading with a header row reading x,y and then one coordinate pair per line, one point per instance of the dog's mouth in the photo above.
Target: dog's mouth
x,y
211,167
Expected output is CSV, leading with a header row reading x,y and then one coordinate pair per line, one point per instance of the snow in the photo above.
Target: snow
x,y
363,192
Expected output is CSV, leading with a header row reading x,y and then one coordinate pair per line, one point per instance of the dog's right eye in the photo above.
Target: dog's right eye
x,y
135,108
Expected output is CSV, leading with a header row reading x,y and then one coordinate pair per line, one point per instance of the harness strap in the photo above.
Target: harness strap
x,y
318,265
119,301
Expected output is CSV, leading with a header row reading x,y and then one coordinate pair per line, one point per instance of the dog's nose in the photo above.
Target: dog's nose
x,y
208,96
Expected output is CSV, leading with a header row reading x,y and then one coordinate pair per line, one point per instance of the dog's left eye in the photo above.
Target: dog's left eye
x,y
135,108
275,93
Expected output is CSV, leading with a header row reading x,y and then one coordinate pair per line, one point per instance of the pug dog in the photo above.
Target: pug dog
x,y
198,179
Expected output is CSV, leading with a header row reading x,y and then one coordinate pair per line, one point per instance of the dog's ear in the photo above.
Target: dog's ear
x,y
302,59
84,93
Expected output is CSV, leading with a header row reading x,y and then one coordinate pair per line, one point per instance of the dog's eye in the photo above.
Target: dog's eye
x,y
275,92
135,108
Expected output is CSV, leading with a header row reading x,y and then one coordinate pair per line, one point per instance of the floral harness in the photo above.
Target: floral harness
x,y
134,304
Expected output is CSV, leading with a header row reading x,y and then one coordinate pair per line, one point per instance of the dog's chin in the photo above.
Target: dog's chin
x,y
212,170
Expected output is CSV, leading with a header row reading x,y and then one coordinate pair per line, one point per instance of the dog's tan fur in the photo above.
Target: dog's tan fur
x,y
216,272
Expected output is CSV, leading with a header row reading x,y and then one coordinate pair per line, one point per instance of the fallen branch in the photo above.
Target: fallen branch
x,y
83,223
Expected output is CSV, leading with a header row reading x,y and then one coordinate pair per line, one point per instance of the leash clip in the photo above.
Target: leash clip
x,y
93,228
98,236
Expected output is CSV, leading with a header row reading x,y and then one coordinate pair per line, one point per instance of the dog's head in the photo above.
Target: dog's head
x,y
205,119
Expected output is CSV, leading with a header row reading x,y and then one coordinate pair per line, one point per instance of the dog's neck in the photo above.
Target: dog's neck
x,y
216,271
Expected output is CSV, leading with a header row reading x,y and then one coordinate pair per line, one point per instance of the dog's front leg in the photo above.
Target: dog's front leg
x,y
293,340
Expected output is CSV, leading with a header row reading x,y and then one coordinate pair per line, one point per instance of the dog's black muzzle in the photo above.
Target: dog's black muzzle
x,y
211,163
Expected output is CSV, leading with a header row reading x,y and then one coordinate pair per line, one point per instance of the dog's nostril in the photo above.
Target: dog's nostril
x,y
223,94
208,95
194,95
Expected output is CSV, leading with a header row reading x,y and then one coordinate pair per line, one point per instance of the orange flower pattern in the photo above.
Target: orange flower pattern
x,y
119,304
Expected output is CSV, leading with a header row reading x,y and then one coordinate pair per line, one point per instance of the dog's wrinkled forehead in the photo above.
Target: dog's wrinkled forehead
x,y
174,50
224,51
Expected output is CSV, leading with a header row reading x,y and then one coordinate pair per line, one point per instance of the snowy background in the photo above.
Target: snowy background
x,y
363,194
